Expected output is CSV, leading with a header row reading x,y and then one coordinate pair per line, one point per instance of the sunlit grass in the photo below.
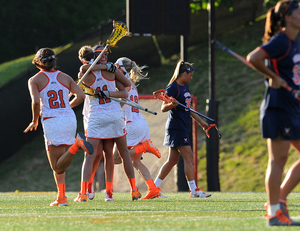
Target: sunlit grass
x,y
223,211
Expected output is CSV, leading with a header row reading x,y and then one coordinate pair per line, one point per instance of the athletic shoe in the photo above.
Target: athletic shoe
x,y
280,220
150,148
81,142
108,196
152,193
199,193
81,197
162,196
135,195
283,207
91,192
60,201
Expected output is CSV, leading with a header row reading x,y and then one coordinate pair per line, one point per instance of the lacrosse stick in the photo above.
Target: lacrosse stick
x,y
92,92
119,31
296,93
161,94
213,132
132,104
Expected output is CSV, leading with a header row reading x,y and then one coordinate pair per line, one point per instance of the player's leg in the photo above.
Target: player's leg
x,y
109,168
292,177
61,199
187,155
87,168
278,154
127,165
53,154
143,171
172,160
98,156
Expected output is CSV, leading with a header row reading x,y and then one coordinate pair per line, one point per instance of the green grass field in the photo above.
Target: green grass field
x,y
222,211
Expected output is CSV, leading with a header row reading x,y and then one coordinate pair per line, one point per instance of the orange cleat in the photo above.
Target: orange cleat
x,y
150,148
135,195
280,220
283,207
81,197
152,193
81,142
60,201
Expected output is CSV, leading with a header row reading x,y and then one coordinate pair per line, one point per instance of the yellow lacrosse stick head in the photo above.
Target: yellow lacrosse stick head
x,y
86,90
120,30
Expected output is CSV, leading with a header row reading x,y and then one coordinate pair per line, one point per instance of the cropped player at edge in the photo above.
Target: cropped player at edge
x,y
178,127
49,91
280,111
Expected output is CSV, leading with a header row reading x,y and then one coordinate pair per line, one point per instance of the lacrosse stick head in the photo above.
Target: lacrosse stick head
x,y
86,90
161,94
212,132
120,30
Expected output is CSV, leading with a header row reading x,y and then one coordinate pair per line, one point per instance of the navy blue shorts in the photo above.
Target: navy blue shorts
x,y
277,122
175,138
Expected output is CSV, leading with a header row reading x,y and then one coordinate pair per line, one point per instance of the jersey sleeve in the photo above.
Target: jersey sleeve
x,y
172,90
277,46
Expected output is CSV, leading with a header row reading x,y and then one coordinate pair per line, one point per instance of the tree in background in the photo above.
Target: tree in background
x,y
29,25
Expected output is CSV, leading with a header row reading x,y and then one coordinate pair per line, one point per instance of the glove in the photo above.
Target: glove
x,y
104,94
111,68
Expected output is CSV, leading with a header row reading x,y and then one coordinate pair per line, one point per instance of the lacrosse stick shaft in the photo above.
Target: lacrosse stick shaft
x,y
295,92
198,113
93,64
133,104
241,58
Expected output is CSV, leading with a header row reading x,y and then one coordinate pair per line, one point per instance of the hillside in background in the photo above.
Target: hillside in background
x,y
243,154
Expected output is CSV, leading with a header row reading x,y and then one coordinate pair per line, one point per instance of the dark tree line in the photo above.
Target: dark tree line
x,y
29,25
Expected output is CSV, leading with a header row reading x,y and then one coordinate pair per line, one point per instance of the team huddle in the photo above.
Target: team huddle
x,y
114,131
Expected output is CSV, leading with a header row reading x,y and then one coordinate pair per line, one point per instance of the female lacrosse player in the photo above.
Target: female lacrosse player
x,y
138,137
280,111
178,127
49,90
105,125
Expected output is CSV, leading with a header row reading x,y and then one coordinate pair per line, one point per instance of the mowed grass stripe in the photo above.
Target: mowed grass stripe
x,y
223,211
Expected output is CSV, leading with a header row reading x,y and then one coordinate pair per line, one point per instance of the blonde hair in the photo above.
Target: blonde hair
x,y
129,66
181,67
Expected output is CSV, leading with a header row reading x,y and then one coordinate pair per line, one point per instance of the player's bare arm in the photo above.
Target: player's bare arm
x,y
35,104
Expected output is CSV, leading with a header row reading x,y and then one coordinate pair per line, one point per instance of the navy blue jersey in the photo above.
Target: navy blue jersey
x,y
179,117
280,111
284,60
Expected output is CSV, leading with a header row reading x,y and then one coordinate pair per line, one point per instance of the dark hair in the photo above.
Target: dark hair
x,y
275,19
45,59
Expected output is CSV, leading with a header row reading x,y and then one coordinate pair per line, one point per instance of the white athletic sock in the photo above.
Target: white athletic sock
x,y
192,185
158,181
272,209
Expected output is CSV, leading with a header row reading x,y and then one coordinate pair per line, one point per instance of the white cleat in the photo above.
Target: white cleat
x,y
108,197
199,193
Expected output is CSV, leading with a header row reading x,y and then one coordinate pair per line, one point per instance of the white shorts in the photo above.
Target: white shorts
x,y
138,131
107,125
59,130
